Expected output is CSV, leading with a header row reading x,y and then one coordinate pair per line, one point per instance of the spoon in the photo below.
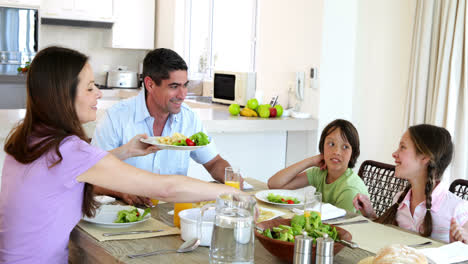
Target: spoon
x,y
187,246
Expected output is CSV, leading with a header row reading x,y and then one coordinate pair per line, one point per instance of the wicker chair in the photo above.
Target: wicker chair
x,y
381,184
460,188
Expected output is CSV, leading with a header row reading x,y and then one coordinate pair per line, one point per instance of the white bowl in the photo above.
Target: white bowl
x,y
188,225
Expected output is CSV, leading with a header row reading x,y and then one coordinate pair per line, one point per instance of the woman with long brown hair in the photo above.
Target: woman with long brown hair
x,y
50,166
425,206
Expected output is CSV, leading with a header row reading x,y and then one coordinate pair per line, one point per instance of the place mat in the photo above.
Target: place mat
x,y
373,236
151,224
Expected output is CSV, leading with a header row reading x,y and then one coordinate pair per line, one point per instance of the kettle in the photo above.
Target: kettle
x,y
122,79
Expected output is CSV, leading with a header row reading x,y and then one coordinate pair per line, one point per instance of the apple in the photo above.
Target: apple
x,y
272,112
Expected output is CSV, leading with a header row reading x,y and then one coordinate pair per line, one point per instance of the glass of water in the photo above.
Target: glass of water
x,y
313,202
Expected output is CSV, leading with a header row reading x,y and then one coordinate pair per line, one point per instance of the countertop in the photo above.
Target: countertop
x,y
215,117
13,78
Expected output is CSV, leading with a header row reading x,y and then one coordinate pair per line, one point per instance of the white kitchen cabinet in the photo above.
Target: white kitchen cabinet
x,y
21,3
86,10
133,25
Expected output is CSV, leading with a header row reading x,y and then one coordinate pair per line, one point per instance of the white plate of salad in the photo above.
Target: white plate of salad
x,y
116,216
179,142
281,197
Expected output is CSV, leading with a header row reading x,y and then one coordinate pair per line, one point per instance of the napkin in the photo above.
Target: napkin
x,y
329,211
372,236
96,231
451,253
247,186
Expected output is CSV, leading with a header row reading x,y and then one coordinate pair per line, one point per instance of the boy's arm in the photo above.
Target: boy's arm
x,y
294,176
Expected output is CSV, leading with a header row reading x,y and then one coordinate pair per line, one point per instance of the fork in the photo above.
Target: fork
x,y
421,244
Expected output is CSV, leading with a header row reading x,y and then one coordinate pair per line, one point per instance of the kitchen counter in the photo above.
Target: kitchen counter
x,y
216,119
259,146
13,78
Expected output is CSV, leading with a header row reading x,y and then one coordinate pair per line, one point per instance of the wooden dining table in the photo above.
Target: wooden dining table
x,y
83,248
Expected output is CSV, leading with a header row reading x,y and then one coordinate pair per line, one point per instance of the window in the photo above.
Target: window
x,y
221,35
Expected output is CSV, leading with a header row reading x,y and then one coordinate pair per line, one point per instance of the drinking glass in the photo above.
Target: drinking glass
x,y
177,208
313,202
154,201
232,177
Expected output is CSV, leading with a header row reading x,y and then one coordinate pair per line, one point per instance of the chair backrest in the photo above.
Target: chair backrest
x,y
460,188
381,183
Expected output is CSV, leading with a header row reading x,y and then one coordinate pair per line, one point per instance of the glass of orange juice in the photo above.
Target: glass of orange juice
x,y
312,202
154,201
232,177
177,208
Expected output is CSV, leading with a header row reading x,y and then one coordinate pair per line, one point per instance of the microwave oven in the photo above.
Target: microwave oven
x,y
233,87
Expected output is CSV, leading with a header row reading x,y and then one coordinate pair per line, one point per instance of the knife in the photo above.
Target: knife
x,y
132,232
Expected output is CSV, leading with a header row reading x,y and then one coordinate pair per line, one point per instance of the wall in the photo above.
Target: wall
x,y
337,71
90,41
383,49
288,40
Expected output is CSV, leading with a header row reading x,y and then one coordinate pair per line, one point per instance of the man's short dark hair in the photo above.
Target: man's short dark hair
x,y
348,133
160,62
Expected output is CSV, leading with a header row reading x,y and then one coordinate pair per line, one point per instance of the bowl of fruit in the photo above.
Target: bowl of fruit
x,y
277,235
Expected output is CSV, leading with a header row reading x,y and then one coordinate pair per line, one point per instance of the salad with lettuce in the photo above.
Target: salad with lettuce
x,y
310,222
132,215
197,139
276,198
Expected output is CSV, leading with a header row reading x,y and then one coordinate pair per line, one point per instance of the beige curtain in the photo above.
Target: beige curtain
x,y
437,86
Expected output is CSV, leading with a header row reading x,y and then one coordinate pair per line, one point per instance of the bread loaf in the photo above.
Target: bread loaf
x,y
396,254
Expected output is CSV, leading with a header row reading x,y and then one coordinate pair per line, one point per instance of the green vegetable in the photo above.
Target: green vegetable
x,y
312,224
276,198
180,143
132,215
267,233
200,139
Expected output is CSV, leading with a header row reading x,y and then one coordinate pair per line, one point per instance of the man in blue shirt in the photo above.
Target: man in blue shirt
x,y
158,110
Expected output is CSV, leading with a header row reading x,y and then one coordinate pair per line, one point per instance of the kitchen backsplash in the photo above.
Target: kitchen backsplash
x,y
90,41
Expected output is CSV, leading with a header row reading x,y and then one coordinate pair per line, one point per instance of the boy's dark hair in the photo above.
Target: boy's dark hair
x,y
159,63
348,133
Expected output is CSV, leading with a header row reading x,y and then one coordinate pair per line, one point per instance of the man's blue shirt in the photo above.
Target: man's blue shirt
x,y
130,117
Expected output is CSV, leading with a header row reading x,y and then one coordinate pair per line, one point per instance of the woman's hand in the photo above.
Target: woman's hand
x,y
131,199
135,147
362,203
457,233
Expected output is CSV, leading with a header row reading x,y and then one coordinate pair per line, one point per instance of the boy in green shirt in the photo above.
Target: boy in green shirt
x,y
330,171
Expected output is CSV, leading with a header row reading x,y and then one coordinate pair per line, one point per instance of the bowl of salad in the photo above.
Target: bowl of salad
x,y
277,235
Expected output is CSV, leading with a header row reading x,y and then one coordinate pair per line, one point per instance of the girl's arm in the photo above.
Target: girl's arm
x,y
363,204
111,173
457,232
294,176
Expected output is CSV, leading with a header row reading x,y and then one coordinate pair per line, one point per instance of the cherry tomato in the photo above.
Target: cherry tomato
x,y
138,214
189,142
290,201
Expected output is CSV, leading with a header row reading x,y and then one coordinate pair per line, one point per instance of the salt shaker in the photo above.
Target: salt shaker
x,y
303,249
324,251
